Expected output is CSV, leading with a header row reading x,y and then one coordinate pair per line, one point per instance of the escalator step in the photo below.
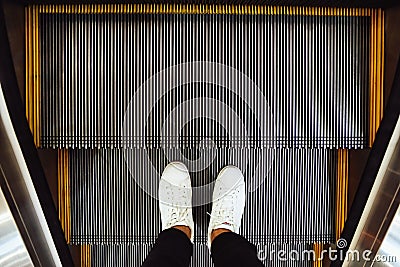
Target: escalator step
x,y
290,193
142,80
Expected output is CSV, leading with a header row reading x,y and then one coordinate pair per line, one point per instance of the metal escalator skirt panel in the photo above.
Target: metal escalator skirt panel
x,y
290,193
134,255
172,80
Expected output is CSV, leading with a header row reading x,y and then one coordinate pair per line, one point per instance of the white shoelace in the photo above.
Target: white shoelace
x,y
226,215
177,215
180,210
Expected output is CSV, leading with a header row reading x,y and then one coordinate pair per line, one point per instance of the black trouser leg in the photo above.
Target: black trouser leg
x,y
172,249
233,250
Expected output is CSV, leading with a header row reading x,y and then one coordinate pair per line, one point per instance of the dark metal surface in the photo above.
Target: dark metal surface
x,y
114,196
123,80
327,3
392,47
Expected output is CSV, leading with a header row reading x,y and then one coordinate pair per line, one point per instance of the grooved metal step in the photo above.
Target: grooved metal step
x,y
275,91
290,193
117,80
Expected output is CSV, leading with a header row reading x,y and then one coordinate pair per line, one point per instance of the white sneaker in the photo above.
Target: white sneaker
x,y
228,201
175,197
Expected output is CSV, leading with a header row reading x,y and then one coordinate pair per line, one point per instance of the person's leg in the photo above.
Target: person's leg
x,y
231,249
226,246
174,245
172,248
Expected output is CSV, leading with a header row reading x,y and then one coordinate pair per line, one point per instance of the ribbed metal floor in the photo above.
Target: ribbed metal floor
x,y
114,196
112,80
127,92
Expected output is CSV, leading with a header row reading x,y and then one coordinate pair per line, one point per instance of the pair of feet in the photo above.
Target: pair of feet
x,y
175,200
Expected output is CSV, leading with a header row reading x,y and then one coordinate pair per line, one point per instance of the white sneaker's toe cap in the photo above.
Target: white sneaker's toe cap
x,y
230,177
176,173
